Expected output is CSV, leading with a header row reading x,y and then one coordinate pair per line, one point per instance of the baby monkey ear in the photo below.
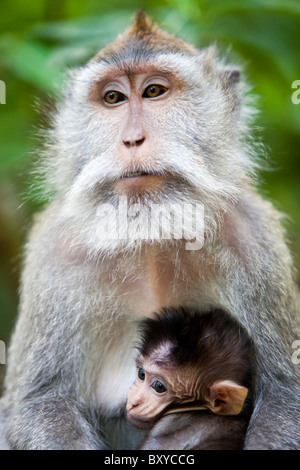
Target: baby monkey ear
x,y
226,397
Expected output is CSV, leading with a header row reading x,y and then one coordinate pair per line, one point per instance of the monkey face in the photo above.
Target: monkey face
x,y
143,127
152,120
149,396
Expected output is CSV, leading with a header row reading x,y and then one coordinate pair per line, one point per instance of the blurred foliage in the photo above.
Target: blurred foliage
x,y
40,39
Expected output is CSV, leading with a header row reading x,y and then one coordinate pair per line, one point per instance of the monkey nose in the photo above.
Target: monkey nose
x,y
131,406
134,403
132,143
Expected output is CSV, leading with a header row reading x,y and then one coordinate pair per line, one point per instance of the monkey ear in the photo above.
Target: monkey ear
x,y
232,76
226,397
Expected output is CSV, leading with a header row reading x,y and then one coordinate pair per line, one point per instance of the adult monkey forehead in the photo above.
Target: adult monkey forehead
x,y
153,120
141,41
137,51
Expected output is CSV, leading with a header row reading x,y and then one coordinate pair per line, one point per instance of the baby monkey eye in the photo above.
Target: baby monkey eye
x,y
152,91
113,97
141,374
159,387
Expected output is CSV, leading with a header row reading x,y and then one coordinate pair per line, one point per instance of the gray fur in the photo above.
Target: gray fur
x,y
197,431
71,357
3,441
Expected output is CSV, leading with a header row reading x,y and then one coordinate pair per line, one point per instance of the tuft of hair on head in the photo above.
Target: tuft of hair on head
x,y
142,24
147,32
188,337
141,39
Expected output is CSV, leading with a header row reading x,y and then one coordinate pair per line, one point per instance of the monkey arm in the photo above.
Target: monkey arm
x,y
275,421
47,352
197,431
41,411
261,293
3,440
45,423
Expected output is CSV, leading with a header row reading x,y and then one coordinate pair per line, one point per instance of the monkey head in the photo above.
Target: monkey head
x,y
150,118
160,388
189,361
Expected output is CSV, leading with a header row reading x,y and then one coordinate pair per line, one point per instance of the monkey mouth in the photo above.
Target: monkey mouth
x,y
135,174
138,181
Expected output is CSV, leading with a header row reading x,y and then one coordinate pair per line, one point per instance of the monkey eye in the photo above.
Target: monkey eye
x,y
141,374
114,97
152,91
159,387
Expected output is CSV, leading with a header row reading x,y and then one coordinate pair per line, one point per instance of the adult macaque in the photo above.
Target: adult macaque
x,y
190,362
150,119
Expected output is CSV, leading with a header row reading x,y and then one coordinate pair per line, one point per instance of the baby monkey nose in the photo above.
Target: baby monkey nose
x,y
133,400
131,405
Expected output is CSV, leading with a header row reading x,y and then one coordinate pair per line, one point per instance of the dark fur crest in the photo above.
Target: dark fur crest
x,y
140,41
142,24
211,341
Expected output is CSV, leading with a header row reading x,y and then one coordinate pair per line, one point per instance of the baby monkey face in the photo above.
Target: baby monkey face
x,y
150,394
159,388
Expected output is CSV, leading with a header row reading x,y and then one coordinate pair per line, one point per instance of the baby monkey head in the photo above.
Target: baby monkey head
x,y
189,361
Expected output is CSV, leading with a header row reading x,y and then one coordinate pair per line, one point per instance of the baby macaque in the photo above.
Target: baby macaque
x,y
190,361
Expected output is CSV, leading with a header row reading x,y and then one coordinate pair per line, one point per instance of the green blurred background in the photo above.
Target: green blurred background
x,y
39,39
